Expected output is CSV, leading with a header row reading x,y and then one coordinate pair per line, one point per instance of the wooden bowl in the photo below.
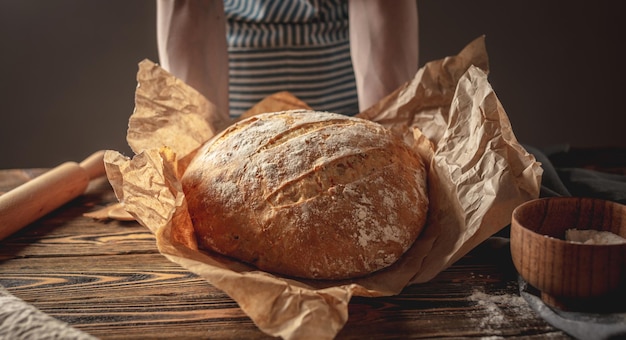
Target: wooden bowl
x,y
571,276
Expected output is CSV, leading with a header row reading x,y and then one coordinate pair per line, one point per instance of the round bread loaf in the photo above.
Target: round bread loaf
x,y
307,194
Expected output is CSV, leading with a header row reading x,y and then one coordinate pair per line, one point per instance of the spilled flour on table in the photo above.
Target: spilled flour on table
x,y
500,309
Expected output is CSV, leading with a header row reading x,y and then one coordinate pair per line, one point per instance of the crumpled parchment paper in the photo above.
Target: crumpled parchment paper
x,y
478,173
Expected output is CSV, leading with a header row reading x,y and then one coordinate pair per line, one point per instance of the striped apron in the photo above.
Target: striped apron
x,y
290,45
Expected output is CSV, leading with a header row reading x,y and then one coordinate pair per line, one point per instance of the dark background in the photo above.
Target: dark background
x,y
67,70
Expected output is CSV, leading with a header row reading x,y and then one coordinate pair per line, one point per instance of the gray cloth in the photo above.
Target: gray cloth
x,y
19,320
583,326
564,174
592,183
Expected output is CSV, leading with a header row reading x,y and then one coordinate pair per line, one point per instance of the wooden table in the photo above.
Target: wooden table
x,y
108,279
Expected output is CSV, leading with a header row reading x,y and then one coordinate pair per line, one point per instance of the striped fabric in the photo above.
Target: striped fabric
x,y
290,45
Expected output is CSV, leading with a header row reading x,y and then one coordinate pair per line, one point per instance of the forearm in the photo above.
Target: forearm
x,y
191,40
384,46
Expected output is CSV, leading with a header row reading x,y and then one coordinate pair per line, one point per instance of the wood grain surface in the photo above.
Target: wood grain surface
x,y
108,279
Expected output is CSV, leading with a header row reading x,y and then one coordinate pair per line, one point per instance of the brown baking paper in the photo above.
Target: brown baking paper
x,y
478,173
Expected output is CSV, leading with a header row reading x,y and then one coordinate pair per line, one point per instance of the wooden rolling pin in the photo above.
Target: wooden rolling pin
x,y
47,192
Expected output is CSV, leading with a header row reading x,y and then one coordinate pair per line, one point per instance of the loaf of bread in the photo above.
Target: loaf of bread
x,y
307,194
